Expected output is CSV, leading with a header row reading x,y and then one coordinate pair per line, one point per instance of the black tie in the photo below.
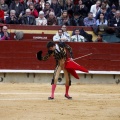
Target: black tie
x,y
77,37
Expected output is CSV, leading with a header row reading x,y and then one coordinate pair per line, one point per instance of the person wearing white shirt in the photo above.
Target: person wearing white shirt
x,y
65,32
41,20
60,37
95,8
77,37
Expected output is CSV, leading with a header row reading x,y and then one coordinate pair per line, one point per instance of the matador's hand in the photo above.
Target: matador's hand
x,y
39,55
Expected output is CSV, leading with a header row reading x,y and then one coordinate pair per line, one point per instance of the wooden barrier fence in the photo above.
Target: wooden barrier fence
x,y
21,55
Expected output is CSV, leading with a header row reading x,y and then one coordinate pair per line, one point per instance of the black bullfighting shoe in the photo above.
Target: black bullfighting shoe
x,y
50,98
68,97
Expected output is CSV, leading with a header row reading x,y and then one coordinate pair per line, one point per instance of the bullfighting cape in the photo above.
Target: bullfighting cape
x,y
71,66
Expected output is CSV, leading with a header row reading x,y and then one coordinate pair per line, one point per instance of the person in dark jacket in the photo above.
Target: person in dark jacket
x,y
8,2
12,19
112,12
47,10
18,7
103,11
68,6
115,22
64,19
81,9
76,20
28,19
56,7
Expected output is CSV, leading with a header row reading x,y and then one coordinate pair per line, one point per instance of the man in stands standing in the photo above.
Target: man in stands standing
x,y
18,7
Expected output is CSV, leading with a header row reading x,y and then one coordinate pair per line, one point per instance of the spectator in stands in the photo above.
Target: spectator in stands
x,y
39,6
101,20
112,13
36,1
76,20
93,1
56,7
64,28
41,20
99,38
51,20
22,1
29,2
81,9
8,2
4,35
34,12
28,19
101,23
4,7
61,3
95,8
106,4
114,2
68,6
60,37
1,15
18,7
77,37
0,29
64,19
47,9
42,3
12,19
88,4
104,11
90,20
115,22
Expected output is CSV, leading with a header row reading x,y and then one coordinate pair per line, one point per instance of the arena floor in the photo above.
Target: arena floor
x,y
29,102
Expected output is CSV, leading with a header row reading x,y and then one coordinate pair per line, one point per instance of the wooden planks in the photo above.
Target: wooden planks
x,y
22,55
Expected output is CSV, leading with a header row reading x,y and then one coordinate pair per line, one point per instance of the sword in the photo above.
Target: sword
x,y
81,56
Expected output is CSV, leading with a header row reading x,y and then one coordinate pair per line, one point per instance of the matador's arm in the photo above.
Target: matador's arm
x,y
69,49
44,58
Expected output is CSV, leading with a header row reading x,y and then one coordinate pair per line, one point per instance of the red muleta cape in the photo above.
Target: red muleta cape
x,y
71,66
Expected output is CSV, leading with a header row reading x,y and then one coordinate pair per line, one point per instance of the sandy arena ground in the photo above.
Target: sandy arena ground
x,y
29,102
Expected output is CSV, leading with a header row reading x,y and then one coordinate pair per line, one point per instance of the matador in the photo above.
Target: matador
x,y
59,51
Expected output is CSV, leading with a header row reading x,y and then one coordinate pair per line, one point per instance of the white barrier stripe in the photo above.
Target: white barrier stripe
x,y
30,99
87,94
52,71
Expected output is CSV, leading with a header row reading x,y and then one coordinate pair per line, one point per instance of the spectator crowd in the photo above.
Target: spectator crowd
x,y
98,14
60,12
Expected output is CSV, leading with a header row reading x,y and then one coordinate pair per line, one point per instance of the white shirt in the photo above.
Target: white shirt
x,y
67,35
57,47
41,21
57,38
77,38
94,10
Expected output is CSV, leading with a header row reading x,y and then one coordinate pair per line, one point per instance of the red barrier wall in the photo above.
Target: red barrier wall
x,y
22,55
34,27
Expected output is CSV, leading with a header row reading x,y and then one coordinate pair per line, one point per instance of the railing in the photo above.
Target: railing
x,y
21,55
